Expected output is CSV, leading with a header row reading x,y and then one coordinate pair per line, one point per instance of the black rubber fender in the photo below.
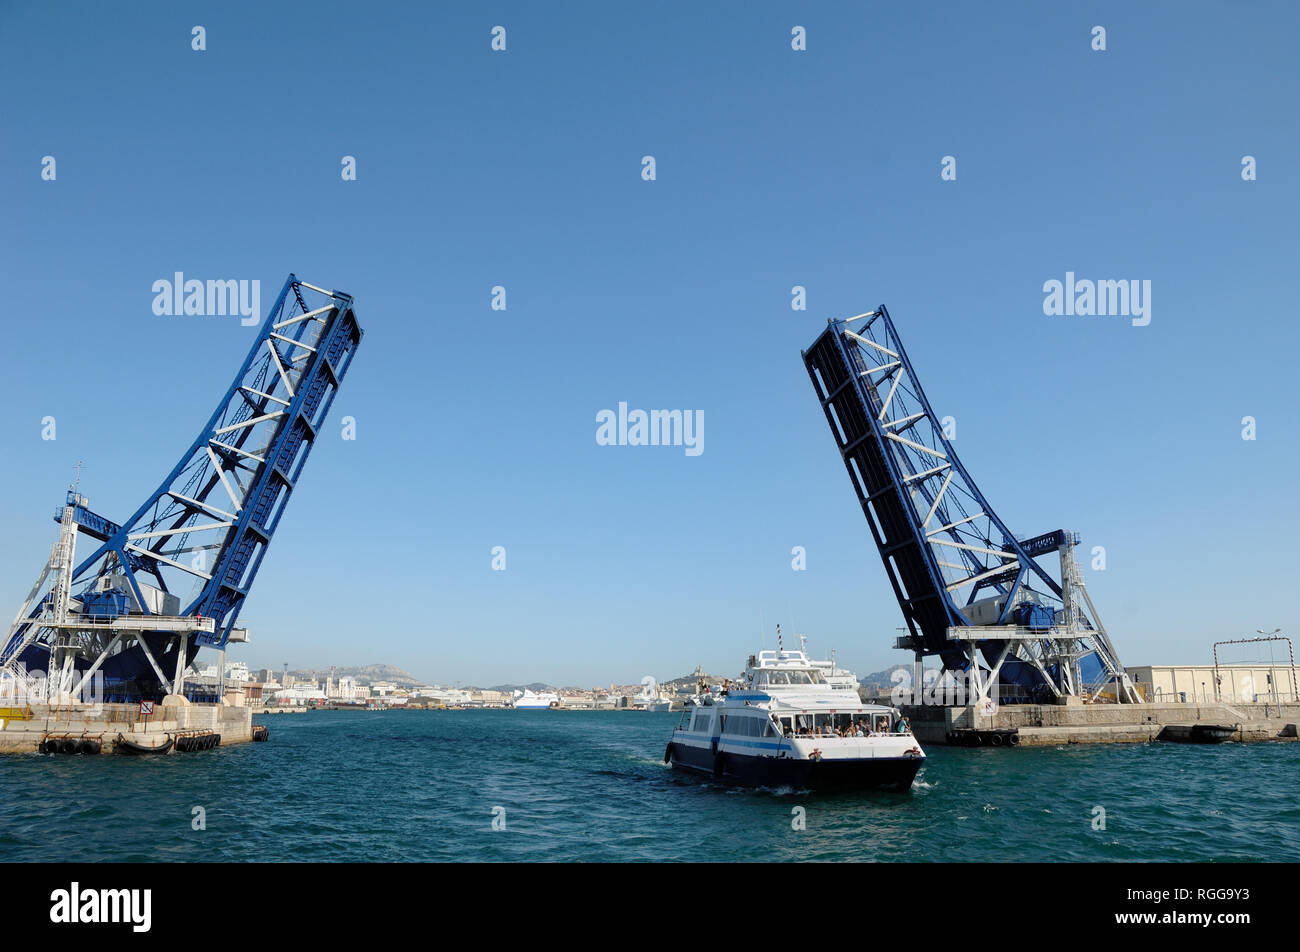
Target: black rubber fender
x,y
668,753
1013,740
996,739
216,740
719,762
67,746
49,746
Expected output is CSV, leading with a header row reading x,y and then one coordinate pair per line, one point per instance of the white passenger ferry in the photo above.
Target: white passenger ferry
x,y
784,725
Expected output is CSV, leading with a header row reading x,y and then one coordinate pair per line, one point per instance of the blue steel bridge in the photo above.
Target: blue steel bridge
x,y
172,577
988,604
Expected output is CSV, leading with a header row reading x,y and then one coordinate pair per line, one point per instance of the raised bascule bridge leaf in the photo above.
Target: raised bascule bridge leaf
x,y
970,591
173,576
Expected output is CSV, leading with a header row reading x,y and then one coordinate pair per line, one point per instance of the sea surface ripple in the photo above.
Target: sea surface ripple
x,y
591,785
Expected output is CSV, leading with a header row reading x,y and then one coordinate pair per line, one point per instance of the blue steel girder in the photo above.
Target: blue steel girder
x,y
221,503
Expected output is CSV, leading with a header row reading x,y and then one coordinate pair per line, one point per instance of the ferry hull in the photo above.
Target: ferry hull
x,y
877,773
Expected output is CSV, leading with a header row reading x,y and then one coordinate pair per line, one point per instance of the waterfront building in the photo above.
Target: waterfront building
x,y
343,689
1228,683
300,694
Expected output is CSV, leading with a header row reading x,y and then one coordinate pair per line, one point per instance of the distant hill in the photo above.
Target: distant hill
x,y
688,681
535,687
881,679
366,674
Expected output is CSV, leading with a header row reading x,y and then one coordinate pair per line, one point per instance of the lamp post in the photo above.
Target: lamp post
x,y
1272,671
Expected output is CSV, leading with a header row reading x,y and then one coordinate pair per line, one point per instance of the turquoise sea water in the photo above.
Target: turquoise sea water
x,y
422,785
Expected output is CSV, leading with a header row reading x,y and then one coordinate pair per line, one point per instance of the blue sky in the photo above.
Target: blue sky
x,y
775,168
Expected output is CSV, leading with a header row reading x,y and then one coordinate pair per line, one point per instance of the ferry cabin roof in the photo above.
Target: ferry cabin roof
x,y
758,722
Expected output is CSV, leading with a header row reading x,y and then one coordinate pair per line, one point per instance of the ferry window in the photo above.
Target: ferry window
x,y
769,730
778,677
702,722
816,677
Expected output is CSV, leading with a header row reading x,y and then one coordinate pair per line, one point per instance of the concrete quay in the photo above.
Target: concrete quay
x,y
1042,725
23,727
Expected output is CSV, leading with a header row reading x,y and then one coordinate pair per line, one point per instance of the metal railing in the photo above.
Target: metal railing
x,y
1209,696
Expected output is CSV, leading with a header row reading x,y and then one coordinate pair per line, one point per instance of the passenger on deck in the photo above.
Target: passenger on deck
x,y
903,726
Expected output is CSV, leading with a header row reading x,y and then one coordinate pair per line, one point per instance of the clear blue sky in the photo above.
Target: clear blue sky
x,y
821,168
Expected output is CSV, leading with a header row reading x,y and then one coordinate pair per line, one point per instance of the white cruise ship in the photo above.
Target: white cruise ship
x,y
837,678
784,725
526,700
651,698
